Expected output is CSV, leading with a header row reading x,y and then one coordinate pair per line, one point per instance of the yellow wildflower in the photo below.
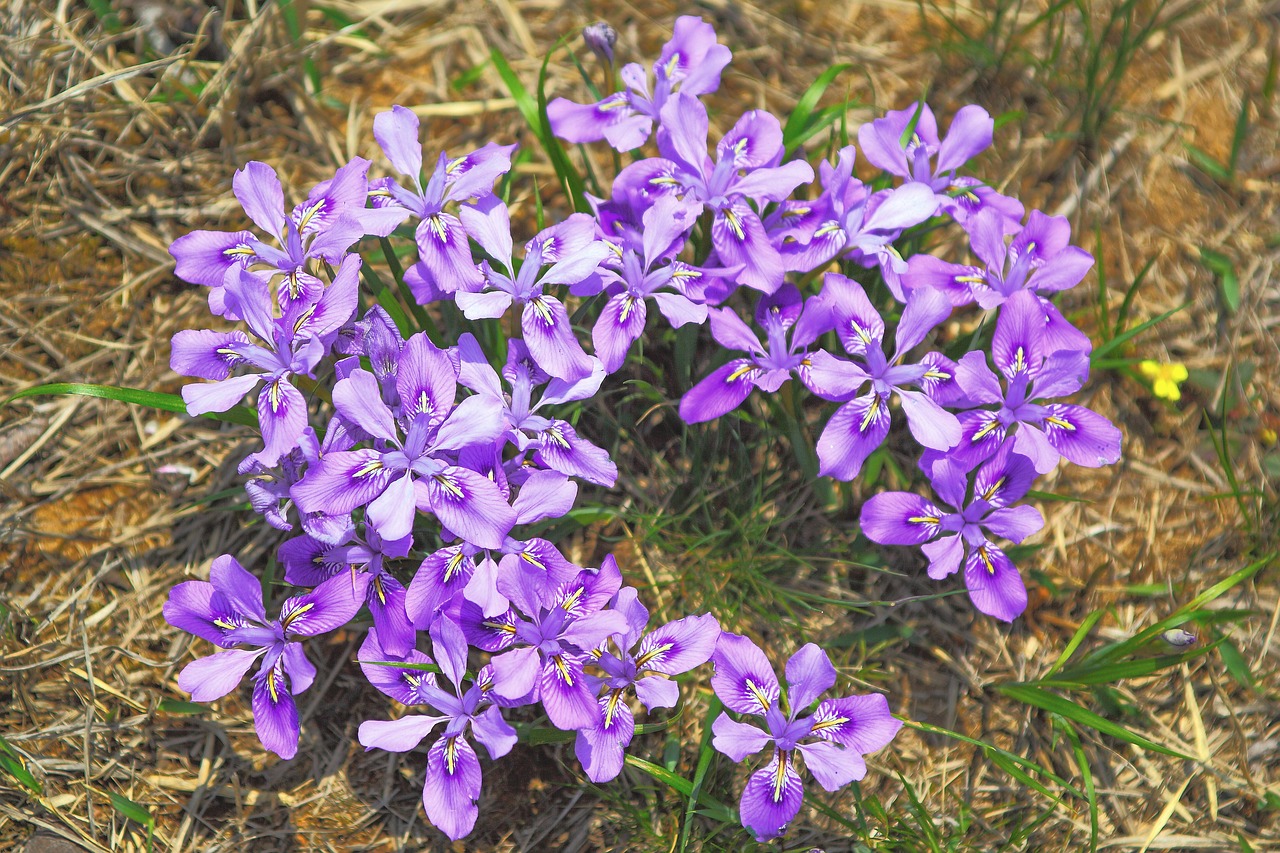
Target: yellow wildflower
x,y
1165,378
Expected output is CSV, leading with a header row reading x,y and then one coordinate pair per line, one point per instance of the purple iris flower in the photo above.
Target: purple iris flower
x,y
409,465
294,344
949,537
546,637
847,219
690,63
645,665
309,562
746,169
970,134
445,264
641,276
227,611
453,781
1039,258
769,365
553,443
452,574
859,426
574,254
1044,431
833,735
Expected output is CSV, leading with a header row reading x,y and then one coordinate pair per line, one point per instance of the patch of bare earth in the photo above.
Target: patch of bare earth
x,y
109,150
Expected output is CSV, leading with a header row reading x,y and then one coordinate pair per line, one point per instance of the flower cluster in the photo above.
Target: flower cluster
x,y
413,477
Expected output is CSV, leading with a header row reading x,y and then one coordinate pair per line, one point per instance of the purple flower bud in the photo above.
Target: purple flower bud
x,y
601,38
1179,637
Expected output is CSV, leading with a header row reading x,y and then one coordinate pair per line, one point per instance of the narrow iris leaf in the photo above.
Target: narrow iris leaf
x,y
242,415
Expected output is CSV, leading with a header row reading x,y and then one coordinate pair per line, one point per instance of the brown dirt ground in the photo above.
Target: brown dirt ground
x,y
100,168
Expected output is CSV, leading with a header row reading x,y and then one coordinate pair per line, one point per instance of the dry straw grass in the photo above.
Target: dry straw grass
x,y
105,158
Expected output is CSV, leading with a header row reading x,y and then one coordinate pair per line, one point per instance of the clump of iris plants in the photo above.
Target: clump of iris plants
x,y
414,471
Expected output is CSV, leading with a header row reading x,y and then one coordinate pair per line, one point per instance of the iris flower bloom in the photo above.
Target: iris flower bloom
x,y
227,611
831,736
453,780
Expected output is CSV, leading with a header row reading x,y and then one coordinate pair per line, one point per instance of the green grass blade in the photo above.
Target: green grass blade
x,y
1086,776
12,764
1085,627
1004,755
712,807
705,754
1046,701
133,811
242,415
1129,334
798,121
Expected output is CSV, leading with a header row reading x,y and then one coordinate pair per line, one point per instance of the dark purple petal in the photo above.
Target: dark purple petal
x,y
562,449
203,257
899,518
679,646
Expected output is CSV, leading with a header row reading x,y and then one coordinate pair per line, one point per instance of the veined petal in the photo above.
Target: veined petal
x,y
995,587
444,250
862,723
326,608
243,591
772,797
1083,436
719,393
743,679
562,449
551,340
679,646
565,694
600,747
452,786
341,481
854,432
426,379
275,716
282,416
621,321
740,239
899,518
203,257
440,577
469,504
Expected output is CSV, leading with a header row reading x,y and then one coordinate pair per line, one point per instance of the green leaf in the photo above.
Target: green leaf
x,y
1208,164
1127,335
712,807
799,118
133,811
178,706
1228,284
1086,774
11,763
705,754
242,415
1003,758
1085,627
1236,664
1040,698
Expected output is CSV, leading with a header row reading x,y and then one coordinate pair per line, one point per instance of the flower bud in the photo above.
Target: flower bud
x,y
601,38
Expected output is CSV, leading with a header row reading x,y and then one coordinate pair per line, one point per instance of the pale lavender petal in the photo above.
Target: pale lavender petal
x,y
931,425
774,184
1014,523
218,396
833,765
392,512
924,311
358,398
809,675
215,676
658,692
685,121
397,133
969,135
301,671
600,747
678,309
515,672
488,305
489,222
259,192
546,494
495,733
397,735
450,648
944,556
476,420
737,740
732,333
